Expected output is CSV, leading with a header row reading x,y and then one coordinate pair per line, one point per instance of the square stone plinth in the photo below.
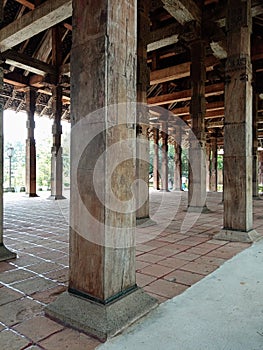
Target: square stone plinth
x,y
98,320
6,254
238,236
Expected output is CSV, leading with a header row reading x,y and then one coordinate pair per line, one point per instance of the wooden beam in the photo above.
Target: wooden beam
x,y
45,47
165,36
177,72
172,39
213,106
48,14
27,63
220,19
211,90
65,69
215,124
219,49
68,26
26,4
183,10
36,81
16,80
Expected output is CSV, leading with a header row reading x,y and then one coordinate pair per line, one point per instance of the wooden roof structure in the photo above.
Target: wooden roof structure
x,y
35,44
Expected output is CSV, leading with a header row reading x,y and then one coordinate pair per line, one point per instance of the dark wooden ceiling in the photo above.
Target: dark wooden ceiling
x,y
32,60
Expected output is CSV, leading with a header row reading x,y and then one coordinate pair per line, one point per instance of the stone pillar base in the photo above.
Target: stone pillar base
x,y
201,210
145,222
238,236
98,320
56,197
6,254
32,195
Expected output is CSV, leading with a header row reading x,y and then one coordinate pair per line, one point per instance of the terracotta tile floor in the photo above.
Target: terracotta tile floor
x,y
171,256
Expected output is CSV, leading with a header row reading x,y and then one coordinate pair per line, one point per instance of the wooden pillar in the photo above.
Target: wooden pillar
x,y
197,150
164,175
56,150
208,166
213,164
30,143
238,220
103,170
255,145
177,186
143,78
260,167
156,177
5,254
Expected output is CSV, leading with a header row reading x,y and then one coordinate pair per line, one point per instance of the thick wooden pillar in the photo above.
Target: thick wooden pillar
x,y
56,151
177,186
238,220
197,150
103,171
255,145
164,175
156,177
213,179
5,254
30,143
143,78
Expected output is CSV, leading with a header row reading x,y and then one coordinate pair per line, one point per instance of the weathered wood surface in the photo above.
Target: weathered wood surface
x,y
197,150
43,17
238,119
179,71
30,142
103,67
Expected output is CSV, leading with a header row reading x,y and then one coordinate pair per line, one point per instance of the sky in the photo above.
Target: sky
x,y
15,127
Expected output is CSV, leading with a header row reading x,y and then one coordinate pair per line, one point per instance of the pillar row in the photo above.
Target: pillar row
x,y
143,78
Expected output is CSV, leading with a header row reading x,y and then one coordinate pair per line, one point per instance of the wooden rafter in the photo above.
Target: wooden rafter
x,y
178,72
43,17
211,90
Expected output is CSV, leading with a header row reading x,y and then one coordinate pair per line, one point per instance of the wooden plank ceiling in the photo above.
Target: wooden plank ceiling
x,y
30,47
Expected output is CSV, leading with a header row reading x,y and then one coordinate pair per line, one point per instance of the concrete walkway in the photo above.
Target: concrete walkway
x,y
224,311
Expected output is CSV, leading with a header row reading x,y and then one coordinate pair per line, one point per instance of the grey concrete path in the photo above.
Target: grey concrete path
x,y
224,311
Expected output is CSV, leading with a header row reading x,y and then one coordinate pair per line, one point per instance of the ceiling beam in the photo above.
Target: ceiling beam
x,y
48,14
25,62
177,72
165,36
213,106
183,10
180,96
16,80
220,19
